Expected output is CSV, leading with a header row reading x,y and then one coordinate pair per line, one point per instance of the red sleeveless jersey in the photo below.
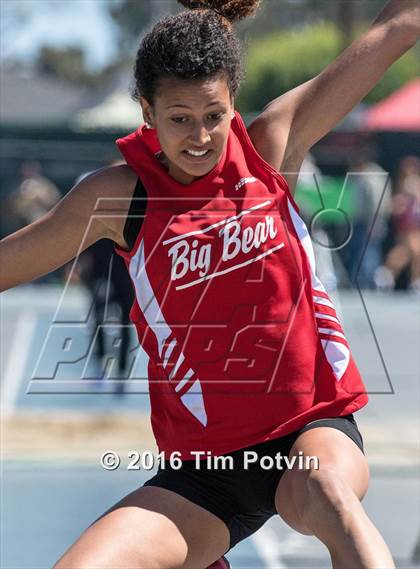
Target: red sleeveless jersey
x,y
244,343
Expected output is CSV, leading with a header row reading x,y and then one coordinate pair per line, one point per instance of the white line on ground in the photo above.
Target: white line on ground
x,y
273,547
267,544
16,361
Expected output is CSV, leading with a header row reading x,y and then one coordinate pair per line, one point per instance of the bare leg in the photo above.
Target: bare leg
x,y
413,244
398,258
326,502
151,528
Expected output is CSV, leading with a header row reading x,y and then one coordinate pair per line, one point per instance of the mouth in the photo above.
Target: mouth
x,y
197,156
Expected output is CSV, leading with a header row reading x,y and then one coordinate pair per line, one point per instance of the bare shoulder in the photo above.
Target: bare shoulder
x,y
109,192
269,140
272,140
111,181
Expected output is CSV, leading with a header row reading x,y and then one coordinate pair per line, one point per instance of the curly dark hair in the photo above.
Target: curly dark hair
x,y
194,44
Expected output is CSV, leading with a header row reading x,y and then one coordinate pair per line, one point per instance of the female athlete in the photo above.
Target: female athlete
x,y
247,358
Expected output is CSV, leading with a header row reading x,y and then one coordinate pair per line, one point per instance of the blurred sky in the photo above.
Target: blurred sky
x,y
25,25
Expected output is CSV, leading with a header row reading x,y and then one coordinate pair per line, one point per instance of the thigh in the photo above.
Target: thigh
x,y
336,452
151,528
243,498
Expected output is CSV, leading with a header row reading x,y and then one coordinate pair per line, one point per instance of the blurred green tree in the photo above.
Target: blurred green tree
x,y
133,18
289,42
275,15
69,64
281,61
63,63
130,18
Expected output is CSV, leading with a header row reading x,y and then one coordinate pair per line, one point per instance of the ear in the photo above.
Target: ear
x,y
147,111
232,102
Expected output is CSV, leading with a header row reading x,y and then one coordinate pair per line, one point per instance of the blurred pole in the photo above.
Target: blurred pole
x,y
346,12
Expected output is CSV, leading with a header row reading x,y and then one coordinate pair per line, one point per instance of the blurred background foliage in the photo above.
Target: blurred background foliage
x,y
287,43
66,70
283,60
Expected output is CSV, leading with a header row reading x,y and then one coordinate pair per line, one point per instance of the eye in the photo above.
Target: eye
x,y
179,120
215,116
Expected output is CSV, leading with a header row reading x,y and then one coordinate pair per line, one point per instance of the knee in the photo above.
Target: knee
x,y
329,498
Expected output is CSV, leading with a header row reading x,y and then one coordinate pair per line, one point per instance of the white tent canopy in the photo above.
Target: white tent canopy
x,y
117,110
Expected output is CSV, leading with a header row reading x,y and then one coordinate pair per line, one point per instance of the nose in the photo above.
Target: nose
x,y
200,135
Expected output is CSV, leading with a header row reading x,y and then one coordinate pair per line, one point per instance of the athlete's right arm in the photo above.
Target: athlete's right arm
x,y
68,229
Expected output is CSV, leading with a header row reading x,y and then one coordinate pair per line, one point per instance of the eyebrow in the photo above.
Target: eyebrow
x,y
187,107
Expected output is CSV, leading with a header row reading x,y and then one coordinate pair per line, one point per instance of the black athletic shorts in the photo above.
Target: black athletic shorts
x,y
242,498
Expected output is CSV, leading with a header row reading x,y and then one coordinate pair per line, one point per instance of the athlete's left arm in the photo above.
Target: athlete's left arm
x,y
291,124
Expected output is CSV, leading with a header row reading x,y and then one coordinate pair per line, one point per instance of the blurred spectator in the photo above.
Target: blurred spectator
x,y
371,200
34,196
405,254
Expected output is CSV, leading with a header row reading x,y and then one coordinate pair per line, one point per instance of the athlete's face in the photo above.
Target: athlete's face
x,y
190,116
